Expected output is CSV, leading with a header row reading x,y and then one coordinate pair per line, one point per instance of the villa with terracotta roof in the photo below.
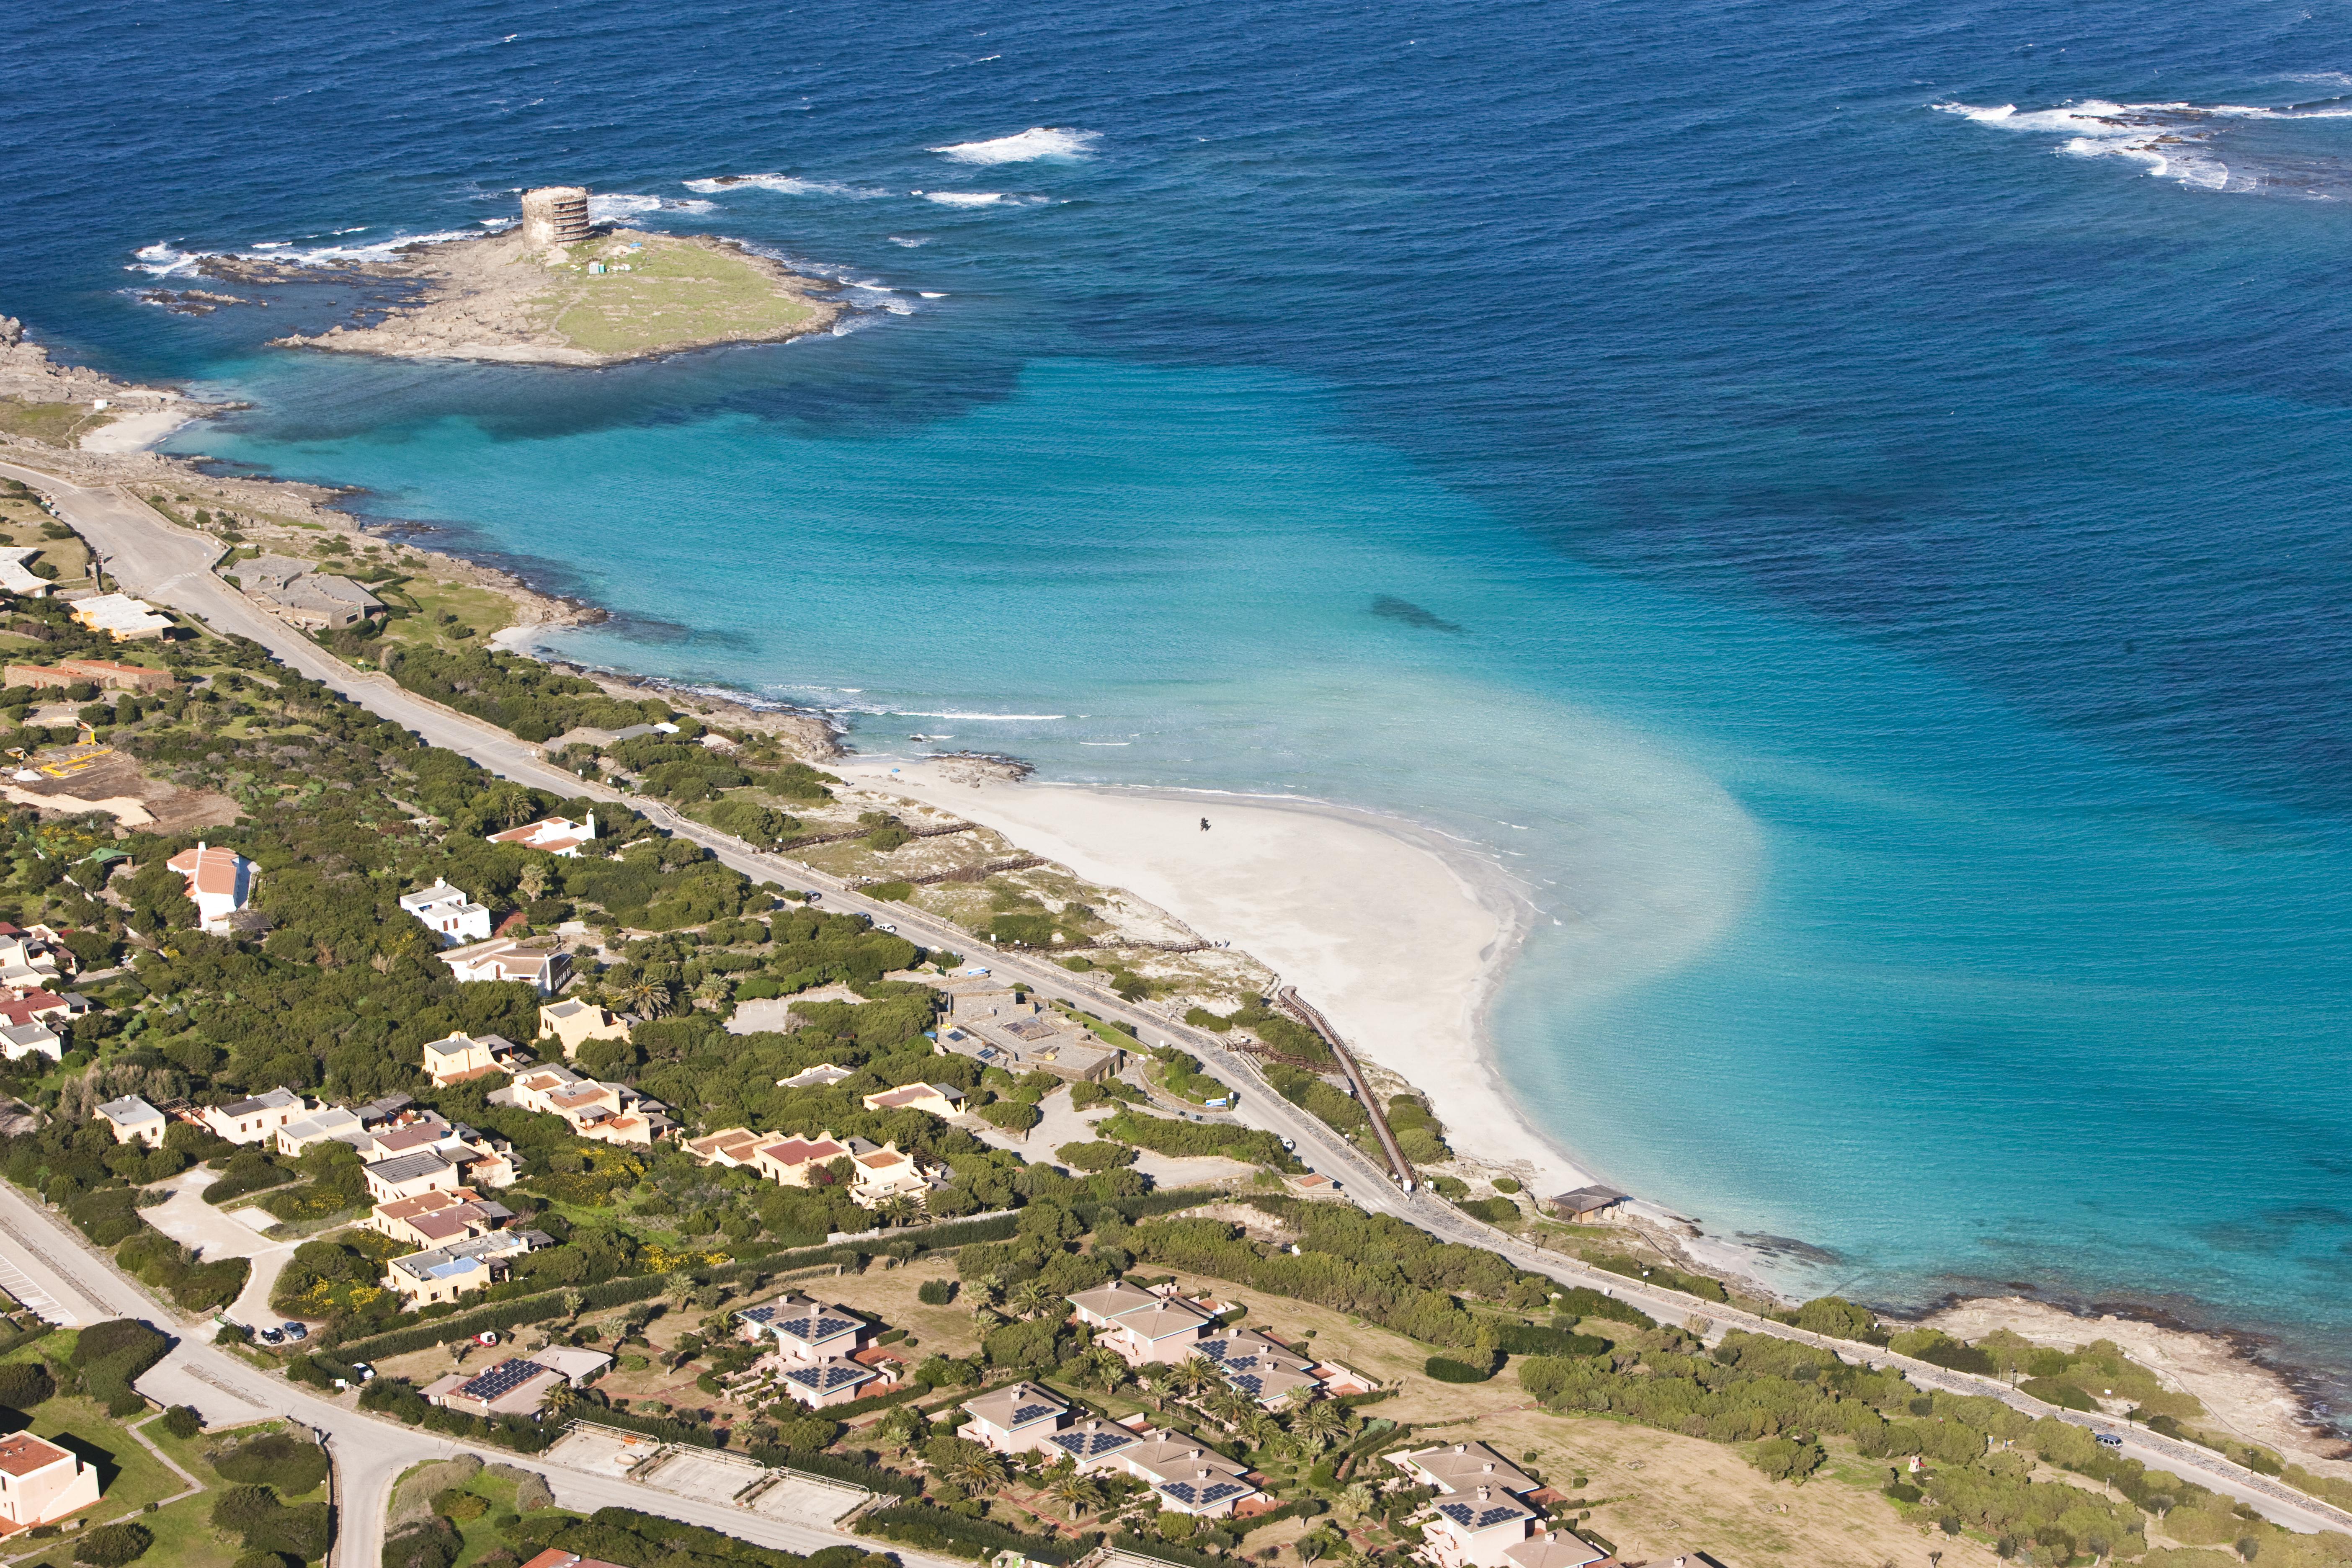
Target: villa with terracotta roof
x,y
438,1217
794,1160
220,881
555,835
880,1175
607,1112
729,1148
928,1097
460,1267
40,1482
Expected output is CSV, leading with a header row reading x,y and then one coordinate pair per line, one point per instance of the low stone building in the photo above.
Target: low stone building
x,y
575,1023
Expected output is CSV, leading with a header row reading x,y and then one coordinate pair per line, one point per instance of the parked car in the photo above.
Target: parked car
x,y
363,1369
487,1336
294,1332
890,929
272,1337
2108,1440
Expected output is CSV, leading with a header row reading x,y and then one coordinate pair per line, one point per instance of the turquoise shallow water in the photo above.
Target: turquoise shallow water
x,y
1874,563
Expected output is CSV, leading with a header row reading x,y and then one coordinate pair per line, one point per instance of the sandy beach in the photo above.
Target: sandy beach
x,y
138,429
1397,935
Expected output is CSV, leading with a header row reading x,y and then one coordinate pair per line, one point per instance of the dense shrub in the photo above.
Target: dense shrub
x,y
1493,1211
1445,1369
182,1421
936,1292
277,1459
24,1383
111,1545
108,1356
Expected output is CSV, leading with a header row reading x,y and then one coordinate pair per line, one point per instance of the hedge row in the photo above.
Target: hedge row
x,y
872,1477
1305,1507
1523,1338
873,1402
1445,1369
1583,1301
694,1434
936,1529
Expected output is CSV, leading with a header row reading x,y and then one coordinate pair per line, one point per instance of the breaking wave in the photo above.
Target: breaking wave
x,y
1037,142
619,207
2204,146
785,184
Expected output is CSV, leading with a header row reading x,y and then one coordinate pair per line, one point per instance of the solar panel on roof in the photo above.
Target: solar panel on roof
x,y
502,1380
1030,1413
1200,1496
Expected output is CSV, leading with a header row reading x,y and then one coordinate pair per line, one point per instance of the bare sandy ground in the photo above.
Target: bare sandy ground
x,y
137,431
2247,1401
1397,936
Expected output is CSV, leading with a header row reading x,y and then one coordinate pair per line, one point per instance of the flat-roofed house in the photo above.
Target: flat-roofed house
x,y
446,1273
446,912
797,1162
575,1023
1475,1528
730,1148
806,1332
255,1120
825,1075
16,576
1021,1419
438,1217
933,1098
111,674
40,1482
555,835
407,1175
18,1041
545,968
880,1175
1142,1325
220,881
328,1125
460,1057
120,616
133,1121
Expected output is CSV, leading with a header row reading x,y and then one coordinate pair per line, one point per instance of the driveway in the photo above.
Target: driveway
x,y
187,1219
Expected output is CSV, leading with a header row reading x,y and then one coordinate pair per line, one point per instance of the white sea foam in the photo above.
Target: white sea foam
x,y
929,294
2175,141
1037,142
962,198
784,185
619,207
160,259
989,718
910,242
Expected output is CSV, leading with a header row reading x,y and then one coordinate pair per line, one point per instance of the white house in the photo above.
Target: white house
x,y
219,883
556,835
18,1041
448,913
545,969
256,1119
133,1121
41,1482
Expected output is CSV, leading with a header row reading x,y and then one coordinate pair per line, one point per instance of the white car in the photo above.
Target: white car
x,y
892,929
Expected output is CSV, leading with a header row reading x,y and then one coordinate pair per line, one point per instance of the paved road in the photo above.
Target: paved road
x,y
157,559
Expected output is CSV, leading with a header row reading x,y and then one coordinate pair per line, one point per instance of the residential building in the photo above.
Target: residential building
x,y
17,574
828,1383
40,1482
257,1119
608,1112
551,1558
1559,1549
545,967
556,835
825,1075
806,1332
575,1023
409,1176
582,1366
1188,1476
730,1148
220,881
332,1124
18,1041
1586,1205
35,1007
1021,1419
935,1098
797,1162
120,616
1143,1326
461,1056
446,1273
994,1024
133,1121
1476,1527
1462,1466
438,1217
880,1175
321,601
448,913
1091,1441
104,673
1313,1184
510,1388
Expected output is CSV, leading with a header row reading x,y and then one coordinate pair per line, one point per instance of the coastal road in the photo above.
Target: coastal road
x,y
157,559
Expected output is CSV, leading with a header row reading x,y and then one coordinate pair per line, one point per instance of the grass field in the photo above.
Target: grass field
x,y
55,423
674,292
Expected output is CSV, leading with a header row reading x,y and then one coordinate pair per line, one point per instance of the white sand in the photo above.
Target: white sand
x,y
138,429
1398,936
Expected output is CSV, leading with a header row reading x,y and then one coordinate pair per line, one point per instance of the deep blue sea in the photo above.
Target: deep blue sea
x,y
1848,499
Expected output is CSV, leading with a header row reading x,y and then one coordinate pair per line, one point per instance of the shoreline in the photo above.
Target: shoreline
x,y
2215,1358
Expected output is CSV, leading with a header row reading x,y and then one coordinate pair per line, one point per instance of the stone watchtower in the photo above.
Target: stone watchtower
x,y
554,215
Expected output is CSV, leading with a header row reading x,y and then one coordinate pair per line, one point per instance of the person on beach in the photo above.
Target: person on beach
x,y
1204,825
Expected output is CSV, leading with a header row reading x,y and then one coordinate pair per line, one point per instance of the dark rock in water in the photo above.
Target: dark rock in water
x,y
1789,1247
1389,608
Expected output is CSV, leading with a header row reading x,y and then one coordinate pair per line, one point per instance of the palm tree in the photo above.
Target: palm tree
x,y
977,1471
1078,1493
1194,1373
559,1400
896,1211
1321,1421
1029,1297
1110,1368
1230,1405
1260,1427
1359,1501
646,998
532,883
